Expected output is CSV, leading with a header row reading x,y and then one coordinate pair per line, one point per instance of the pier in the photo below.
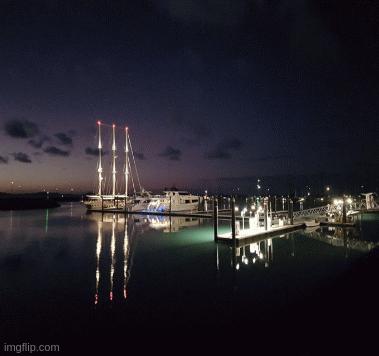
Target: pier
x,y
248,236
246,229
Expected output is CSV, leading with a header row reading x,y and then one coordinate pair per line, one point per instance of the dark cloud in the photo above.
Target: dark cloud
x,y
197,133
21,128
171,153
270,158
193,131
224,148
38,141
139,155
21,157
55,151
94,151
91,151
63,138
211,12
3,160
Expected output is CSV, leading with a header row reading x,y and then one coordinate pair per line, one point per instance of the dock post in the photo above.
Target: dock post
x,y
290,211
275,203
102,204
265,209
215,218
344,212
233,220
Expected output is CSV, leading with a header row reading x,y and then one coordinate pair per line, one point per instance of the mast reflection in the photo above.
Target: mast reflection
x,y
98,251
126,253
114,253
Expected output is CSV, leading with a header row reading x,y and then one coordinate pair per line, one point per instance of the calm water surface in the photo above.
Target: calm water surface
x,y
66,273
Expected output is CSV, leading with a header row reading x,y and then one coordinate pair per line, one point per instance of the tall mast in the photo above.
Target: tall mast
x,y
114,160
126,162
100,168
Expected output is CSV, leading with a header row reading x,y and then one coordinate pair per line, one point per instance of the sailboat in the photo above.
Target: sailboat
x,y
170,201
101,200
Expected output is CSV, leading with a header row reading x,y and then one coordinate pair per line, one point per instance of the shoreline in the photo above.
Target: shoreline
x,y
27,204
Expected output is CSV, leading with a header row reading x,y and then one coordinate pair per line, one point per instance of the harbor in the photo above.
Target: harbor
x,y
189,176
119,260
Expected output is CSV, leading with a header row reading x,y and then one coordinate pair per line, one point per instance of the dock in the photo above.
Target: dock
x,y
248,236
241,236
337,224
195,214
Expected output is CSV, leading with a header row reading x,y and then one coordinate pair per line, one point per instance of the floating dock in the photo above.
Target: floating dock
x,y
247,236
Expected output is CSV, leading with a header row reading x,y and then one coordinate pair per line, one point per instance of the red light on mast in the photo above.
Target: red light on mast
x,y
98,122
113,125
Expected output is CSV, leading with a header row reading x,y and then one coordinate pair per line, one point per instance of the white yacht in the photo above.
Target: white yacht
x,y
174,200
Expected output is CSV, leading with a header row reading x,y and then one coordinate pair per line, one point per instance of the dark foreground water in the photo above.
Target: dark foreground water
x,y
86,281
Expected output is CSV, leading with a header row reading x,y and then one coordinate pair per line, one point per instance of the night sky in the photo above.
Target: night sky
x,y
215,93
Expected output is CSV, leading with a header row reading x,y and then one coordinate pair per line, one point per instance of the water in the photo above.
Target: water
x,y
68,275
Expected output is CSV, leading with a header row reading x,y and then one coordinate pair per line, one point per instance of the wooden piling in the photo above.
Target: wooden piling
x,y
275,204
233,201
344,219
290,211
265,210
215,218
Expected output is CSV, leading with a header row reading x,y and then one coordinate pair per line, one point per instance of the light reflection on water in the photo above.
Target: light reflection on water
x,y
157,266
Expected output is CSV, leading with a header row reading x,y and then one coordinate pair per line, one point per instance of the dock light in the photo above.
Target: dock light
x,y
327,189
349,200
236,208
113,125
238,266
